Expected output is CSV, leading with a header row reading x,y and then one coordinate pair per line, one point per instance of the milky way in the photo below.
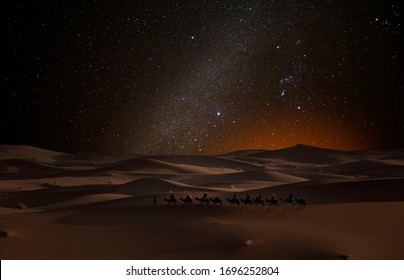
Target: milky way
x,y
202,77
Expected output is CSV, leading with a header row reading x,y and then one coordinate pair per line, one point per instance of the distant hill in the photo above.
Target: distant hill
x,y
305,154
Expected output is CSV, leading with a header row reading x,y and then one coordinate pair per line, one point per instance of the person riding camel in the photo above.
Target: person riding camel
x,y
273,198
205,196
247,197
235,196
290,198
172,197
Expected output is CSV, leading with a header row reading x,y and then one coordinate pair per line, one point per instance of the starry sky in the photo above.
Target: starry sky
x,y
201,77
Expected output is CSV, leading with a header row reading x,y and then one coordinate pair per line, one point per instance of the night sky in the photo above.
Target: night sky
x,y
201,77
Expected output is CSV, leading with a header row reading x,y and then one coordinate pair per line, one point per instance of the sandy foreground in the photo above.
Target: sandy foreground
x,y
86,206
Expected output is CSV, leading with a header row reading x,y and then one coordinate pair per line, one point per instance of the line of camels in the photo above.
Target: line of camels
x,y
290,200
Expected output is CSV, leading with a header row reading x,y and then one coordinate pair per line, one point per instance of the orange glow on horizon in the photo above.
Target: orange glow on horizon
x,y
323,134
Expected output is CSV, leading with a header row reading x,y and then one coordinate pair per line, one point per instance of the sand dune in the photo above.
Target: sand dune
x,y
303,153
313,176
88,159
84,201
239,177
366,167
154,166
342,191
337,231
398,159
27,153
243,153
362,164
43,197
212,162
240,186
18,169
151,186
91,206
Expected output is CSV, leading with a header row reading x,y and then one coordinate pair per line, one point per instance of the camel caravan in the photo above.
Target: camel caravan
x,y
235,200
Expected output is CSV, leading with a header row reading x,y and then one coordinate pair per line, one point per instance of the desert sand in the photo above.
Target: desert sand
x,y
90,206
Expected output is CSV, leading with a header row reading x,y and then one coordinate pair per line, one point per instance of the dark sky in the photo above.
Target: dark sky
x,y
201,77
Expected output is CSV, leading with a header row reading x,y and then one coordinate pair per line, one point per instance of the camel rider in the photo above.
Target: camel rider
x,y
290,197
189,196
172,196
205,195
235,196
247,197
273,197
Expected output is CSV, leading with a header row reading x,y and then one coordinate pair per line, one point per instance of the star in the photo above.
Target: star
x,y
146,78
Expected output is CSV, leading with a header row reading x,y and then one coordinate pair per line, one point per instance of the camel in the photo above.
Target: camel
x,y
202,200
258,200
301,201
187,200
171,200
247,201
233,201
216,200
272,202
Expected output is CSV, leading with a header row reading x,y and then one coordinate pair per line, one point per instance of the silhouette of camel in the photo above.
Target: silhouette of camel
x,y
258,200
187,200
171,200
216,200
202,200
301,201
247,201
233,201
272,202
